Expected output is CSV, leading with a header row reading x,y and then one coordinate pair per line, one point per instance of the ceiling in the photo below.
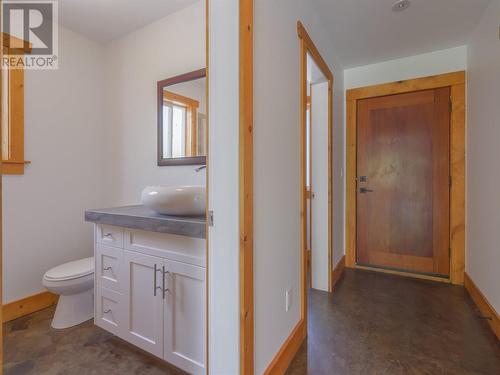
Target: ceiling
x,y
368,31
105,20
362,31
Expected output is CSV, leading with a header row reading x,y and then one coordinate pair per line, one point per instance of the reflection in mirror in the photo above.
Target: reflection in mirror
x,y
182,121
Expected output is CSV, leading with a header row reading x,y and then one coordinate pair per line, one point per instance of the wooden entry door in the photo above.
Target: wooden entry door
x,y
403,182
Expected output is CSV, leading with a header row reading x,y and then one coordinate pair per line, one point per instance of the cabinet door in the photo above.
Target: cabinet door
x,y
144,302
184,342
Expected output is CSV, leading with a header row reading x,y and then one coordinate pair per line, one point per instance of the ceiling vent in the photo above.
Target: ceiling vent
x,y
400,5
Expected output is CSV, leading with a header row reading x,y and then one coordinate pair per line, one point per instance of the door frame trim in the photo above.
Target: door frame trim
x,y
246,289
308,46
456,81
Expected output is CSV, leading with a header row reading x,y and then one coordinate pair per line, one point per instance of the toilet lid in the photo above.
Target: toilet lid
x,y
71,270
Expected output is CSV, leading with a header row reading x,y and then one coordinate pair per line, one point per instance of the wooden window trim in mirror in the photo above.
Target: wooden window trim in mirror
x,y
13,147
191,106
189,103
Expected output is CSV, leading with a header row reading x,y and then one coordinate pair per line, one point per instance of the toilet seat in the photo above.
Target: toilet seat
x,y
71,270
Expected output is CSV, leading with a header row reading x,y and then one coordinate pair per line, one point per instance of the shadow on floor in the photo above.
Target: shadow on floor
x,y
32,347
381,324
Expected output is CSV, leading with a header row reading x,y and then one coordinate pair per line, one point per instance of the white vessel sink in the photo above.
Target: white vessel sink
x,y
175,200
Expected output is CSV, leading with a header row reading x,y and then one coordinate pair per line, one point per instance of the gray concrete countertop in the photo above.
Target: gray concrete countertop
x,y
140,217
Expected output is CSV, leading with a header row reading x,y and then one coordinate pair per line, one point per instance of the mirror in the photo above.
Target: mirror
x,y
182,120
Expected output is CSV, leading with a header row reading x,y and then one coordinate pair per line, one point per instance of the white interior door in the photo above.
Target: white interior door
x,y
319,182
184,337
144,302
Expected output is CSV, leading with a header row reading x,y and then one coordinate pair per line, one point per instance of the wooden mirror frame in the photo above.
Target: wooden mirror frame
x,y
188,160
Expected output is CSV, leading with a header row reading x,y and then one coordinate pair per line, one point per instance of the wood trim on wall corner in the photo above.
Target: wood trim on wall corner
x,y
486,309
285,355
28,305
13,43
246,188
337,272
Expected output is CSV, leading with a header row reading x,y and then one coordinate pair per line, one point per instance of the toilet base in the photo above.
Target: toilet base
x,y
74,309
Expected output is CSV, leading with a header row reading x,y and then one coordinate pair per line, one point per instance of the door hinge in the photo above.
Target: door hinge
x,y
210,218
450,181
450,105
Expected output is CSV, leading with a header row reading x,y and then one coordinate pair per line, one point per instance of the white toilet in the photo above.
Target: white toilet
x,y
74,283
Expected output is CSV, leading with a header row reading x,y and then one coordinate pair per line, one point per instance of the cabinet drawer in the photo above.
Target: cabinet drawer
x,y
109,267
109,310
109,235
174,247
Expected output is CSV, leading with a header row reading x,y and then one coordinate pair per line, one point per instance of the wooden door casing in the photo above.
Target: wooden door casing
x,y
403,150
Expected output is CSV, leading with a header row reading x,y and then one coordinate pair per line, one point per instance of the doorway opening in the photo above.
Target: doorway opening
x,y
317,177
316,80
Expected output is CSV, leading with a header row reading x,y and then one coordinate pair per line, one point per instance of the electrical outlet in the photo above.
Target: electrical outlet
x,y
288,299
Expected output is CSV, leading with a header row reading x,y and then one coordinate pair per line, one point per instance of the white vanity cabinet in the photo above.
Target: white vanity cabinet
x,y
150,291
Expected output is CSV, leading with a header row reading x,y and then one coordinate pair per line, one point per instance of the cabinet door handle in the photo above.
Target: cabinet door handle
x,y
154,286
163,281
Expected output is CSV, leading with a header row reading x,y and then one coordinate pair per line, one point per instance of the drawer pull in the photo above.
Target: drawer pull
x,y
108,236
107,311
108,268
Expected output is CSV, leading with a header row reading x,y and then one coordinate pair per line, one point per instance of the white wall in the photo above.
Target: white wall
x,y
171,46
223,183
276,166
43,209
427,64
483,203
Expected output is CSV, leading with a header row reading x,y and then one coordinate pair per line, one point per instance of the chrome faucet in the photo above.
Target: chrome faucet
x,y
200,168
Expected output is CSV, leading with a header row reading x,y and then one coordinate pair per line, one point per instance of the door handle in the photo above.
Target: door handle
x,y
163,281
154,282
155,288
364,190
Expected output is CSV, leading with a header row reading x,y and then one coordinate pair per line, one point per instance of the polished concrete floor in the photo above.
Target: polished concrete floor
x,y
380,324
371,324
32,347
